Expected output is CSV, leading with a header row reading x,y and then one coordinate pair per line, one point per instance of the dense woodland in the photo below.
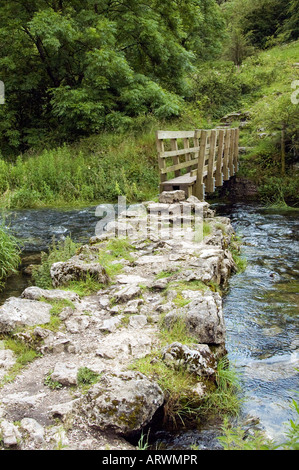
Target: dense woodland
x,y
88,82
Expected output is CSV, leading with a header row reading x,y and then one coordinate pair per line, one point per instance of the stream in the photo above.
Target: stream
x,y
260,308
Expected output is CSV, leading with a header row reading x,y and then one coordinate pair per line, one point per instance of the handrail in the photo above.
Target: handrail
x,y
198,160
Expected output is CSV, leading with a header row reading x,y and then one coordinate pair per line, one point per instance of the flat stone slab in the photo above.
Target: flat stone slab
x,y
152,259
36,293
23,312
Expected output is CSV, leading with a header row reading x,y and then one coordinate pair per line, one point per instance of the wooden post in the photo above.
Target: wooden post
x,y
210,185
188,156
236,150
231,165
225,169
162,163
219,178
175,159
199,186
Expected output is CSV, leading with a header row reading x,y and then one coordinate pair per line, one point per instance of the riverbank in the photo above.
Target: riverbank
x,y
147,345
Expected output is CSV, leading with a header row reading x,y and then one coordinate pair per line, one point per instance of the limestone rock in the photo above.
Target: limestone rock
x,y
76,269
125,343
9,433
203,317
111,324
23,312
66,374
56,343
34,429
197,360
123,402
63,411
169,197
36,293
7,360
138,321
127,293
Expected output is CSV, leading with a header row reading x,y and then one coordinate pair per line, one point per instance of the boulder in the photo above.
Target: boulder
x,y
203,318
66,374
36,293
35,430
169,197
127,293
7,360
23,312
10,434
212,265
198,360
76,269
122,402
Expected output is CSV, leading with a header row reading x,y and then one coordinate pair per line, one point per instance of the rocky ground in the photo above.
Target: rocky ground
x,y
45,406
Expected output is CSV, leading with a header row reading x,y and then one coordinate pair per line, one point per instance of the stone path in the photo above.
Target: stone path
x,y
104,333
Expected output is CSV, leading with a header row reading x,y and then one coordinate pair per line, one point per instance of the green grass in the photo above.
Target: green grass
x,y
182,405
239,259
86,377
115,250
24,355
9,254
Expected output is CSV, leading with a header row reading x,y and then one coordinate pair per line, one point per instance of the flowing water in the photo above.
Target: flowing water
x,y
261,307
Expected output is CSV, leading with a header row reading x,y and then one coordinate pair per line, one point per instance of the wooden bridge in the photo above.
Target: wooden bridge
x,y
197,161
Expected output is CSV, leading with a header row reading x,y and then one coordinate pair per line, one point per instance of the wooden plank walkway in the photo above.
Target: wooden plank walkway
x,y
197,161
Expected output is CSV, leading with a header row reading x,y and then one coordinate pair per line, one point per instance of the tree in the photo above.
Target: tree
x,y
74,67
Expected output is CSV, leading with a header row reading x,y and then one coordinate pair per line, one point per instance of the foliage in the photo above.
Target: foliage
x,y
86,377
75,68
9,254
85,173
52,384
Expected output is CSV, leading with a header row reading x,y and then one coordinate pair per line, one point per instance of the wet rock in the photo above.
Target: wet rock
x,y
23,312
36,293
75,270
123,402
198,360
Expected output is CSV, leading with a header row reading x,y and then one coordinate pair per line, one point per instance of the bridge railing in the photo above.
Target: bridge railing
x,y
197,161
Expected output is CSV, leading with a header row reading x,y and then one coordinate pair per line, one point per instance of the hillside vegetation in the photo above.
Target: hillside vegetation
x,y
87,84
